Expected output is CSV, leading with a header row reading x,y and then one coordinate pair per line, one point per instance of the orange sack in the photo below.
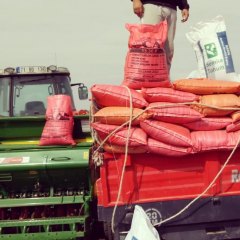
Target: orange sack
x,y
119,115
235,116
206,86
217,104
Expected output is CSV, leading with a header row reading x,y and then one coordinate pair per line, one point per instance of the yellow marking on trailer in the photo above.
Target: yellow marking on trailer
x,y
85,155
19,142
36,142
87,139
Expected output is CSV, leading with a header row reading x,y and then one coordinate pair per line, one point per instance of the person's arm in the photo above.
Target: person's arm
x,y
138,8
185,15
184,7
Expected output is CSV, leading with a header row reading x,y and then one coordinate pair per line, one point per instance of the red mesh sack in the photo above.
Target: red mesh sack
x,y
168,133
59,106
103,130
57,132
59,122
145,63
137,138
233,127
209,123
161,148
121,149
168,95
212,140
173,113
111,95
147,35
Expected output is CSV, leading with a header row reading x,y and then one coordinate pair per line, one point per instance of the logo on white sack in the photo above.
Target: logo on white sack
x,y
154,215
211,50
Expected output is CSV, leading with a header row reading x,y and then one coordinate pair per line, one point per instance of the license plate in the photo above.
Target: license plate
x,y
31,69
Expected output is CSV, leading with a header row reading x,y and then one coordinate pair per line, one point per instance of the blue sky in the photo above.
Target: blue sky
x,y
89,37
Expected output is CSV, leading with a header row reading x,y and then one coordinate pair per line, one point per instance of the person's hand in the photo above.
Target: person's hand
x,y
185,15
138,8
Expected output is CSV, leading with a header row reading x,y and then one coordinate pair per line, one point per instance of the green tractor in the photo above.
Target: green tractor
x,y
45,191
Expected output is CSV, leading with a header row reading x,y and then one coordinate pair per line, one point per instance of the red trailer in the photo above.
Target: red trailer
x,y
164,186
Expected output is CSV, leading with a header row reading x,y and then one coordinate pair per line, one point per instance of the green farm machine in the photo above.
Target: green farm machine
x,y
45,191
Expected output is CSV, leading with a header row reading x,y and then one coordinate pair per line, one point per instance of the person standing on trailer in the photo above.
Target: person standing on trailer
x,y
155,11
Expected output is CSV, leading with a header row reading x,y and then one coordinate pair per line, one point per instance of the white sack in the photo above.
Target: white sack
x,y
210,43
141,227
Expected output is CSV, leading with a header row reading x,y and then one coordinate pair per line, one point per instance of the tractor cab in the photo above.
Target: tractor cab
x,y
24,90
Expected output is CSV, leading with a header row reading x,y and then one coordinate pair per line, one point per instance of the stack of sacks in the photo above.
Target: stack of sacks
x,y
218,103
145,66
194,115
172,119
111,112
